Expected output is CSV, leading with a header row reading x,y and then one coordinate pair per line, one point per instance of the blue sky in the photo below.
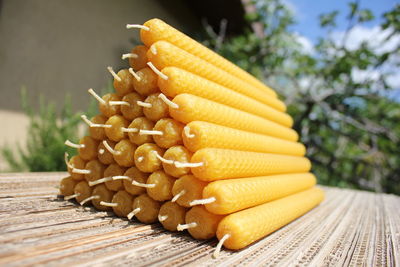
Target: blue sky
x,y
307,27
307,12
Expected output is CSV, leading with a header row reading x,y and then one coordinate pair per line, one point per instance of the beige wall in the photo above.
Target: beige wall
x,y
53,47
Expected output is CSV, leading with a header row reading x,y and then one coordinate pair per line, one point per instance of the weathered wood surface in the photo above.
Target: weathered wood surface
x,y
350,228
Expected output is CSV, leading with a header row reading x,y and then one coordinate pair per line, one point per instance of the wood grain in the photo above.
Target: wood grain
x,y
350,228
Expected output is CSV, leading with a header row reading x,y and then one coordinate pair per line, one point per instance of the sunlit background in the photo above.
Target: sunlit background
x,y
335,63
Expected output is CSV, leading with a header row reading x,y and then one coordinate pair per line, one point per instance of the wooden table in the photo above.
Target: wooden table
x,y
37,227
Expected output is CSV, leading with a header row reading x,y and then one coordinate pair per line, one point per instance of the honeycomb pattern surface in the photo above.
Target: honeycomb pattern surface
x,y
194,108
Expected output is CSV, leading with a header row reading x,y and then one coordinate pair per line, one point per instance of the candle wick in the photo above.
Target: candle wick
x,y
150,132
129,55
121,177
219,246
70,144
162,218
120,103
167,101
159,73
182,227
202,201
144,104
166,161
67,161
133,213
137,77
186,131
88,199
110,69
187,164
110,149
72,196
153,49
137,26
177,196
130,130
143,185
108,204
98,98
80,171
99,181
94,125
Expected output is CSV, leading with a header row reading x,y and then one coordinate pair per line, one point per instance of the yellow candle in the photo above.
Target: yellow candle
x,y
180,81
194,108
124,203
168,55
215,164
242,228
200,134
67,186
171,215
186,189
200,223
139,60
159,30
237,194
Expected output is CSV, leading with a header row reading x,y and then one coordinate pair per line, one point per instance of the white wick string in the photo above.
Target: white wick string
x,y
94,125
110,149
130,130
129,55
153,49
88,199
202,201
80,171
100,181
143,185
150,132
162,218
219,246
72,196
66,161
70,144
108,204
121,177
144,104
98,98
137,77
159,73
167,101
187,164
137,26
186,131
119,103
167,161
133,213
182,227
110,69
175,198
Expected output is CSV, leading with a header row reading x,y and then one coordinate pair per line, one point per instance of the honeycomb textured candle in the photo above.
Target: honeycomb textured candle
x,y
169,55
225,163
180,81
200,134
159,30
193,108
236,194
249,225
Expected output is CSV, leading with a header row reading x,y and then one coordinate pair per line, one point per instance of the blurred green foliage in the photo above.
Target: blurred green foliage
x,y
49,127
350,126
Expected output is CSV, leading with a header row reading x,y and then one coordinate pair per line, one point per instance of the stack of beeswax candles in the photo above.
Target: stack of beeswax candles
x,y
194,142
